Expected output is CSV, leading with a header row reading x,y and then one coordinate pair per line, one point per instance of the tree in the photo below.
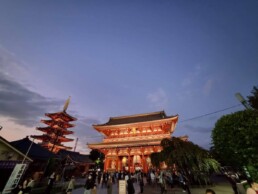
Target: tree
x,y
235,139
97,157
195,162
253,100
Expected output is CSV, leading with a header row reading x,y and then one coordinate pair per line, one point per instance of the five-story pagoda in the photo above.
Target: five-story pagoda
x,y
56,130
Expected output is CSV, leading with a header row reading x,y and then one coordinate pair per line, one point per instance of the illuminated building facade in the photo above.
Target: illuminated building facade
x,y
129,140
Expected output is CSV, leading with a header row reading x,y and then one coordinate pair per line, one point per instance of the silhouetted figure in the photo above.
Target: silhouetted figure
x,y
130,187
141,184
50,183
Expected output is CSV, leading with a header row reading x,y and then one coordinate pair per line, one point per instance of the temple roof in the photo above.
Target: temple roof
x,y
50,130
35,152
137,118
61,115
57,124
75,156
46,138
57,145
9,145
120,144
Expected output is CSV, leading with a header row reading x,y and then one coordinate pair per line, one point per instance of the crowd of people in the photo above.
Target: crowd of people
x,y
94,180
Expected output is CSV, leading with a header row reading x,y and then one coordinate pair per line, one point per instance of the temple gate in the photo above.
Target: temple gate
x,y
129,140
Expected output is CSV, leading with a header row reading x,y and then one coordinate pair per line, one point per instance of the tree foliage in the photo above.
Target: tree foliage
x,y
253,100
235,139
95,155
189,158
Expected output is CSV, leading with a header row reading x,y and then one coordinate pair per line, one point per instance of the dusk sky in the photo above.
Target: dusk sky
x,y
117,58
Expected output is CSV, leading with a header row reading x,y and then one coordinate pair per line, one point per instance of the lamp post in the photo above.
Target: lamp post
x,y
241,99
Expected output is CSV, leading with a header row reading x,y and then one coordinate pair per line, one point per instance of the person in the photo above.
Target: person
x,y
50,184
88,185
210,191
130,187
232,183
183,181
163,184
141,183
70,186
109,185
29,186
253,189
152,176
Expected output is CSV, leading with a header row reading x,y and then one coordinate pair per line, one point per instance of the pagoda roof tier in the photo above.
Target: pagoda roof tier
x,y
123,144
56,124
137,118
51,129
61,116
47,138
59,146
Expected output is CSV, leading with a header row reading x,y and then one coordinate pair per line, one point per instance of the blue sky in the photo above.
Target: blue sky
x,y
119,58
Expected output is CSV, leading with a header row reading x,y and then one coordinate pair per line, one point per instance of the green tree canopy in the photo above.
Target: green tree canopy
x,y
95,155
253,100
193,160
235,139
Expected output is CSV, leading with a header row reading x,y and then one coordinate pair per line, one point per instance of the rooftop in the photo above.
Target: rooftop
x,y
137,118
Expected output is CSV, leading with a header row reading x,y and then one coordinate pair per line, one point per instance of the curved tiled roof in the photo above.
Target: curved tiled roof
x,y
35,152
137,118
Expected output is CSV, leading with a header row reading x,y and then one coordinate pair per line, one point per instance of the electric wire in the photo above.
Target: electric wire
x,y
193,118
204,115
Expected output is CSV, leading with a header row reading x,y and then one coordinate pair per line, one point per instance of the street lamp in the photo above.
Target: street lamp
x,y
241,99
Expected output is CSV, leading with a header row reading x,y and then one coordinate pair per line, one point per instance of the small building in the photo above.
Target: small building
x,y
9,157
40,156
74,163
129,140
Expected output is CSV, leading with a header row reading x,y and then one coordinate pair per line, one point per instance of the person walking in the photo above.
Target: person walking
x,y
70,186
29,186
109,185
141,183
130,187
163,184
50,184
88,185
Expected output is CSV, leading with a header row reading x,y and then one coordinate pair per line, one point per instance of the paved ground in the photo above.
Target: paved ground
x,y
221,187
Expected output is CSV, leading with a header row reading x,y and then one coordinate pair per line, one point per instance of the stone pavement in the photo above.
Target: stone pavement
x,y
220,188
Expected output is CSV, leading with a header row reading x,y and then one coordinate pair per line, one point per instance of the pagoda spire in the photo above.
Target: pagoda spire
x,y
67,102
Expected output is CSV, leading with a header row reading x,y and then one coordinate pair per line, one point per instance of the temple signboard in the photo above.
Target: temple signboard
x,y
122,187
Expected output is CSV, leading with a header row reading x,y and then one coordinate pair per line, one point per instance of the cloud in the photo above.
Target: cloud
x,y
208,86
22,105
10,66
158,99
85,133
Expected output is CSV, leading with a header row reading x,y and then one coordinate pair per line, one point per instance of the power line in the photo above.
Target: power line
x,y
193,118
197,117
